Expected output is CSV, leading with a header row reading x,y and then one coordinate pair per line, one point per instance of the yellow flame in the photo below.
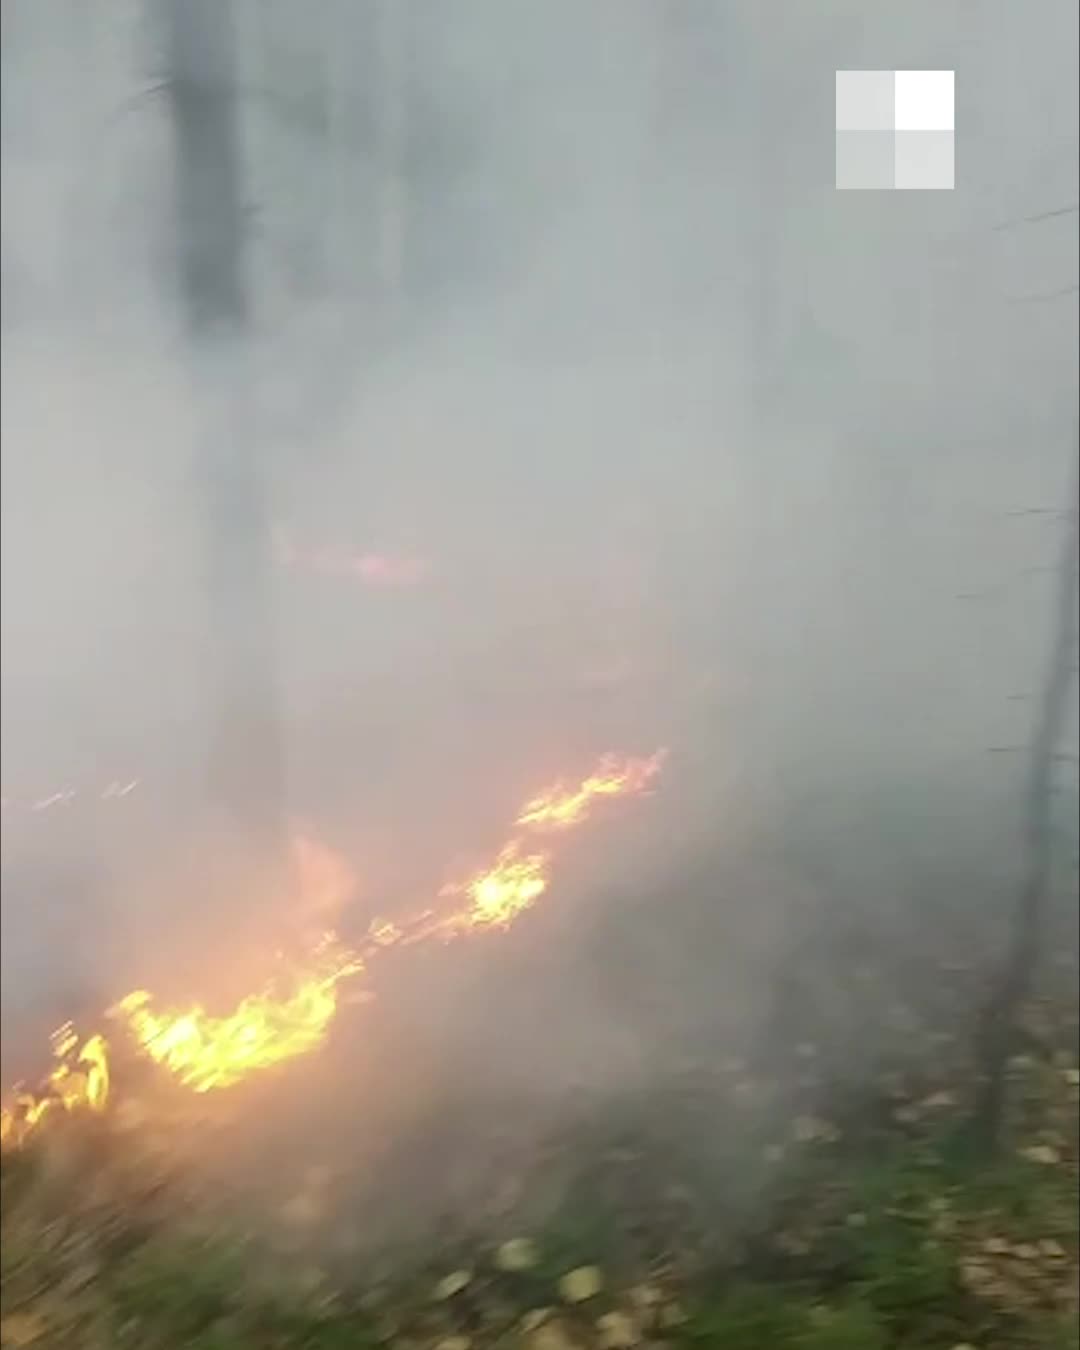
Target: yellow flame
x,y
558,806
90,1087
206,1052
498,894
79,1080
292,1016
501,893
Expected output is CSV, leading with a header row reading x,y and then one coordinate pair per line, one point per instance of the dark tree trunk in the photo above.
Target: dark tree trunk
x,y
244,758
391,169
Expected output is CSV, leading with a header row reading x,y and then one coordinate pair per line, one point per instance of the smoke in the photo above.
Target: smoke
x,y
591,417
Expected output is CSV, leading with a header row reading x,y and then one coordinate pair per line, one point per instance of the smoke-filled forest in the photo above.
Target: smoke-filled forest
x,y
539,680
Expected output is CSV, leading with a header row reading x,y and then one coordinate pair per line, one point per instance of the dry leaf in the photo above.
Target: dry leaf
x,y
1041,1153
454,1343
516,1254
387,1327
452,1284
617,1331
645,1296
21,1328
535,1317
975,1275
672,1316
551,1336
583,1283
937,1100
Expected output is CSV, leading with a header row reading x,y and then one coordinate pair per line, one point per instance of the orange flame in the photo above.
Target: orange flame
x,y
292,1015
559,807
498,894
206,1052
501,892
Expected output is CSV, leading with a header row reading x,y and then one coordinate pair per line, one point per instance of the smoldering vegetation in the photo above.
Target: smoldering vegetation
x,y
585,416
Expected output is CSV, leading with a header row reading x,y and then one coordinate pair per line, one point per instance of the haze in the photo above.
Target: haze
x,y
660,439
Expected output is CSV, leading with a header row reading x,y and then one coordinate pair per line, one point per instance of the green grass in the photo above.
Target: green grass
x,y
894,1279
747,1316
863,1243
889,1283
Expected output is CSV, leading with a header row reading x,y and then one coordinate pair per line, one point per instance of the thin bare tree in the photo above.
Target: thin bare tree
x,y
1014,983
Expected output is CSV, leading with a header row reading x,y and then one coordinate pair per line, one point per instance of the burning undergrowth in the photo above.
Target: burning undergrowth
x,y
291,1015
483,1090
457,1159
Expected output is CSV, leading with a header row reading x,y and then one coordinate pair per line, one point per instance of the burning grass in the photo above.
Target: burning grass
x,y
204,1052
726,1200
560,807
291,1015
79,1080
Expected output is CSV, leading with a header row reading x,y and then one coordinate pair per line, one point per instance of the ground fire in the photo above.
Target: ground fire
x,y
205,1052
560,806
292,1014
499,893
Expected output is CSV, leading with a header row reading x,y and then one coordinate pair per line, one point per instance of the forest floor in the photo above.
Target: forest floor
x,y
870,1227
